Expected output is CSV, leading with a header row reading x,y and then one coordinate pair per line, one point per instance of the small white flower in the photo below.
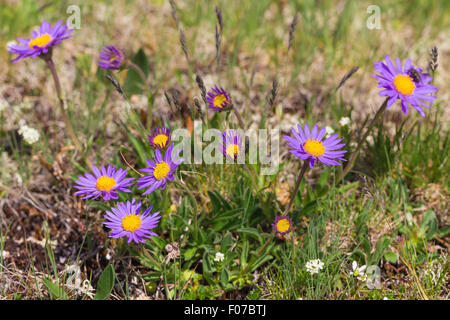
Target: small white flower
x,y
313,266
359,272
219,257
30,135
385,298
18,178
3,105
344,121
4,254
370,140
328,131
74,281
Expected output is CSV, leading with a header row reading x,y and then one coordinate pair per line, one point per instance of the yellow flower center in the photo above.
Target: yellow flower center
x,y
404,84
283,225
105,183
219,99
131,223
161,170
160,140
314,148
233,150
40,41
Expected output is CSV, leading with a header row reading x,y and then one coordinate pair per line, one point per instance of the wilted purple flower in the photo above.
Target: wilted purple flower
x,y
309,145
110,58
218,99
159,171
282,224
41,41
127,221
232,144
408,84
160,138
105,182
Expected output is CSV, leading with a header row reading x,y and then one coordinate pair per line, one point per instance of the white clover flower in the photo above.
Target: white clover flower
x,y
313,266
328,131
30,135
345,121
219,257
359,272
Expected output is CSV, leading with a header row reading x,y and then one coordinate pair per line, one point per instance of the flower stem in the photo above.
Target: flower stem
x,y
191,195
238,116
141,74
352,159
51,65
293,251
299,179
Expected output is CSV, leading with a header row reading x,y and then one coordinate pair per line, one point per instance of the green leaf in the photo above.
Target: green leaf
x,y
391,257
429,225
55,290
206,263
134,84
105,283
188,254
227,242
260,261
218,202
443,232
380,247
139,147
161,243
224,277
251,232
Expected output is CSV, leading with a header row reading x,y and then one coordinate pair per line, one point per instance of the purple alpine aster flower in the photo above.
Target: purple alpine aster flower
x,y
159,138
406,83
282,224
127,221
309,145
159,171
110,58
218,99
41,41
105,182
232,144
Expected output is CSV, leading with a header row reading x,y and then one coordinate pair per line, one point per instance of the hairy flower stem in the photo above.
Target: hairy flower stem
x,y
260,251
141,74
255,184
51,65
297,185
352,159
191,195
141,249
238,116
293,249
253,171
